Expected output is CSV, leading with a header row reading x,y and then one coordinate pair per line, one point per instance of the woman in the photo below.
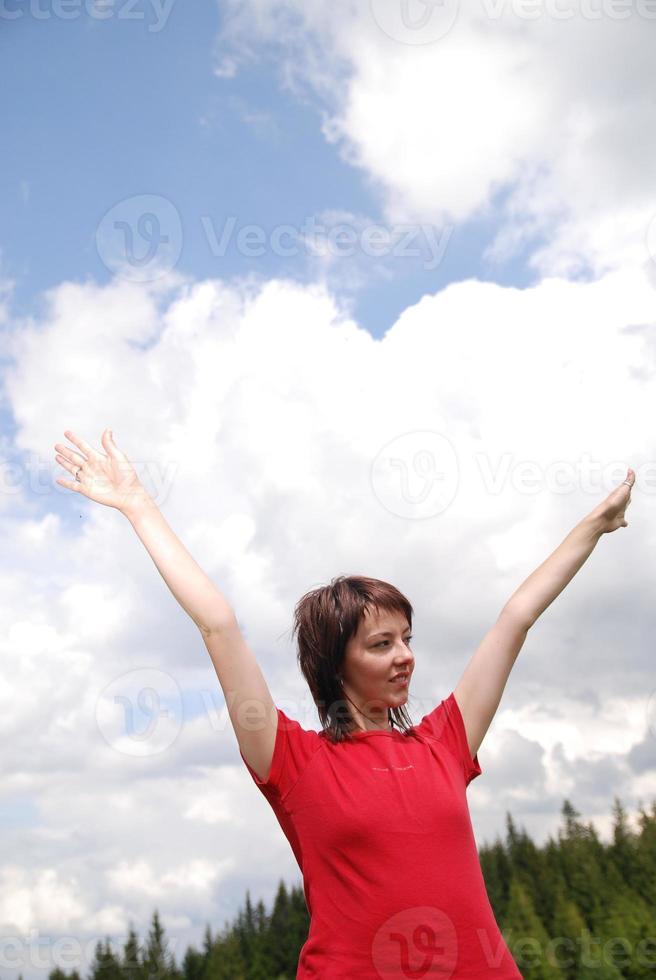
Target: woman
x,y
374,808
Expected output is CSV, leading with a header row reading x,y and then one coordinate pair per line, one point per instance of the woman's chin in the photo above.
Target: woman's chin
x,y
399,697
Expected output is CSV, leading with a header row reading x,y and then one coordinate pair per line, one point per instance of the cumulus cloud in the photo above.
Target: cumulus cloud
x,y
285,445
535,116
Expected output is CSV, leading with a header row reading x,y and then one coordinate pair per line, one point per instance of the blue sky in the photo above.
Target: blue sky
x,y
106,110
281,409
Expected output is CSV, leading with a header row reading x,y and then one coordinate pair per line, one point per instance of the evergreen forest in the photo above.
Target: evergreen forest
x,y
575,908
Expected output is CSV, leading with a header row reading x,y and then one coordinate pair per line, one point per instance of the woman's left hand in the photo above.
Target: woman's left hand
x,y
609,515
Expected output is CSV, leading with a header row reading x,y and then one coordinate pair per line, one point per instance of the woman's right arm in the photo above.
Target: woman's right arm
x,y
189,584
250,705
109,478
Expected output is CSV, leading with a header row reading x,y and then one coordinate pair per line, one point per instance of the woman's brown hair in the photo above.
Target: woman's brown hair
x,y
324,621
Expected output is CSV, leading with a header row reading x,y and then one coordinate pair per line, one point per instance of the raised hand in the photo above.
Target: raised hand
x,y
106,477
609,514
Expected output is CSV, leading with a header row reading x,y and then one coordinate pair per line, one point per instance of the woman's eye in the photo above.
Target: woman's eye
x,y
382,642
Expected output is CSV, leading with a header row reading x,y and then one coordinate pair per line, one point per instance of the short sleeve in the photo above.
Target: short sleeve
x,y
446,724
293,749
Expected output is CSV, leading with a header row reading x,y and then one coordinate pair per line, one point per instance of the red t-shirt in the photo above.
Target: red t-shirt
x,y
381,831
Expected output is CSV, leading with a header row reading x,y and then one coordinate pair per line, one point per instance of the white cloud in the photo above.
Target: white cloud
x,y
255,415
266,409
541,122
140,877
38,898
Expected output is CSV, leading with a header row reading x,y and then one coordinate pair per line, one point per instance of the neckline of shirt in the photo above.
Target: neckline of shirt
x,y
375,731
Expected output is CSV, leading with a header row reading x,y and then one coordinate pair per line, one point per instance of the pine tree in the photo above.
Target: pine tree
x,y
55,974
158,963
593,963
645,872
527,938
581,857
226,961
193,964
567,930
299,918
131,962
284,943
629,925
530,868
105,965
262,965
497,871
207,942
245,929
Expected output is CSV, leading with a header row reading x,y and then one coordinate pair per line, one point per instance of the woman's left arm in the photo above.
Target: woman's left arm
x,y
541,587
479,690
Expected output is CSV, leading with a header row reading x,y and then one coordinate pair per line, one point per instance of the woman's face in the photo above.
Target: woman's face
x,y
379,650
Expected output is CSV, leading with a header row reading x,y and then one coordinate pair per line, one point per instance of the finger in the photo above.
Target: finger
x,y
68,484
67,464
68,453
82,444
107,440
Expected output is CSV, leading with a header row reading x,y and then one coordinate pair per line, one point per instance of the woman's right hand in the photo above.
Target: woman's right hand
x,y
108,478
